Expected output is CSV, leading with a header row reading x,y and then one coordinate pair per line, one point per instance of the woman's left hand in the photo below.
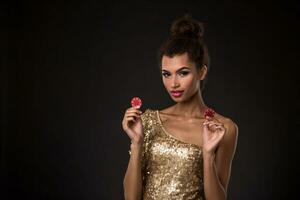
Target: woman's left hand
x,y
213,133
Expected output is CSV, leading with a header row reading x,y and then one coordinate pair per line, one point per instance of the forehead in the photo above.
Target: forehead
x,y
176,62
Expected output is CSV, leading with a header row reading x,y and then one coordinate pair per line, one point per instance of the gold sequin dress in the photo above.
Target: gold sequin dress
x,y
171,169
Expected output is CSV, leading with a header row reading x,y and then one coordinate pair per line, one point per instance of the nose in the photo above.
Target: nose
x,y
175,82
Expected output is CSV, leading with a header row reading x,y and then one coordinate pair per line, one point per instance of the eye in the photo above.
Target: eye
x,y
165,74
184,73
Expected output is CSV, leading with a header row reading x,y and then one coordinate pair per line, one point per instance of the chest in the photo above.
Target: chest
x,y
186,131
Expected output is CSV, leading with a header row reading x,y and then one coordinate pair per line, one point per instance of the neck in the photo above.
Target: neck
x,y
193,107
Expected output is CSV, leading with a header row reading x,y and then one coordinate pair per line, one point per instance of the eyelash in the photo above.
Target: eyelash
x,y
184,73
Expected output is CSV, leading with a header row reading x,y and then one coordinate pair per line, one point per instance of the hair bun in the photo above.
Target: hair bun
x,y
187,26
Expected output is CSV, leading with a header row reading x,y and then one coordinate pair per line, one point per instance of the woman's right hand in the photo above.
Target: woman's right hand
x,y
132,125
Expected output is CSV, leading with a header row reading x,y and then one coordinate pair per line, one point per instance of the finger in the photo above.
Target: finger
x,y
134,110
212,122
221,128
208,118
214,127
133,115
131,119
209,126
220,125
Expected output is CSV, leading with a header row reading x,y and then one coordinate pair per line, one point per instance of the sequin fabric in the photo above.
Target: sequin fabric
x,y
171,169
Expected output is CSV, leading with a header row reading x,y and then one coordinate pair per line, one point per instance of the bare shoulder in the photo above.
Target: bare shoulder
x,y
166,113
229,124
165,110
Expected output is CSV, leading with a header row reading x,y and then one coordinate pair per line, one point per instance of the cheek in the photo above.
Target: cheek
x,y
166,83
188,81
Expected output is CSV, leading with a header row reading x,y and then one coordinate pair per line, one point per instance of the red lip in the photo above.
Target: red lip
x,y
176,93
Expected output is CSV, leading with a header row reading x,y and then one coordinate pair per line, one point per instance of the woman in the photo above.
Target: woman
x,y
177,153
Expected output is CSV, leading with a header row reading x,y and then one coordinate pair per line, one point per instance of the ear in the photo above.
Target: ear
x,y
202,72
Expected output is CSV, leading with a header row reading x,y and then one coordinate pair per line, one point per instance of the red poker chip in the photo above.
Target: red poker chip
x,y
209,112
136,102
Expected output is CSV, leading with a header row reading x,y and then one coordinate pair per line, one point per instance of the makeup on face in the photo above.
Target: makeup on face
x,y
182,72
177,94
177,74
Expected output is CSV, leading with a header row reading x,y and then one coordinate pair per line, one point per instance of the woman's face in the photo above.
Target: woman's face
x,y
180,77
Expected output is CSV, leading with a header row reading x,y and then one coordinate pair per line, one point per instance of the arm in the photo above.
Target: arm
x,y
136,130
133,179
217,166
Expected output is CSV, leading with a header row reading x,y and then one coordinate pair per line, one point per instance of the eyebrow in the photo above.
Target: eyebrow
x,y
178,69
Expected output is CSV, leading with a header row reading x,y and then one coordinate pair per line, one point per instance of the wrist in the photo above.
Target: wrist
x,y
135,146
136,143
210,157
135,149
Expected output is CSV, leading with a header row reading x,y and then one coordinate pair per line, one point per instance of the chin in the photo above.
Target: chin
x,y
177,99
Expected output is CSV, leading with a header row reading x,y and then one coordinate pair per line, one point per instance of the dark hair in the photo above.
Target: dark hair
x,y
186,35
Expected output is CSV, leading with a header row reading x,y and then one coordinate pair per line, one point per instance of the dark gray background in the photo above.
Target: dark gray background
x,y
70,69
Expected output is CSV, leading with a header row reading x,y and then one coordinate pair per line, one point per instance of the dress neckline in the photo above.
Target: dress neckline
x,y
170,135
